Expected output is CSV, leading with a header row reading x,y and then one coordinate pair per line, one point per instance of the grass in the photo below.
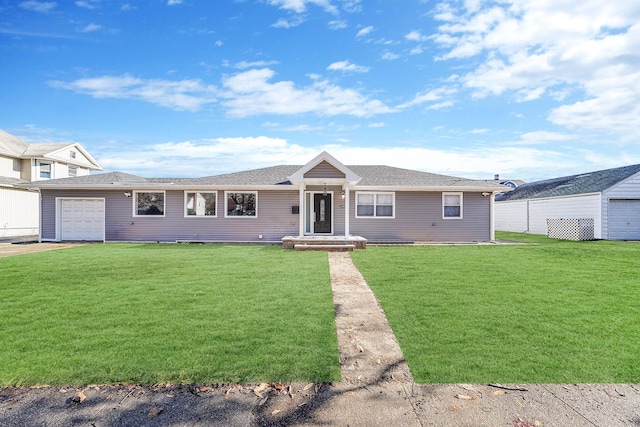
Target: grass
x,y
548,312
145,313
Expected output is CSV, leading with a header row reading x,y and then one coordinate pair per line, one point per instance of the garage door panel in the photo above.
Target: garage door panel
x,y
82,219
624,219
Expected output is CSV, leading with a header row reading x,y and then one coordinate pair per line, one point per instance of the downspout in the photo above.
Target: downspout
x,y
492,225
301,210
346,211
39,216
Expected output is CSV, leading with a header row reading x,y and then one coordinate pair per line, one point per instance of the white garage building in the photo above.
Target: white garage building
x,y
611,198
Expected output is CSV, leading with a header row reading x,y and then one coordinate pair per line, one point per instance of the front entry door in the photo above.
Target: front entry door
x,y
322,208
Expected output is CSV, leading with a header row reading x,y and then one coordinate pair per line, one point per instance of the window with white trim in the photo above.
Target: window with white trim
x,y
375,205
45,169
148,203
451,205
73,170
241,204
199,204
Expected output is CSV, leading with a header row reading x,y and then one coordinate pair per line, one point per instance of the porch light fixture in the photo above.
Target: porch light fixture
x,y
127,194
324,191
342,195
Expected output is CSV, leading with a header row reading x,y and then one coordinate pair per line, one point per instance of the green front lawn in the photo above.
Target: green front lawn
x,y
548,312
151,313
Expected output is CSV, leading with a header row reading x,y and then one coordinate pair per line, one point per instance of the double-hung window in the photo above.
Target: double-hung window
x,y
199,204
45,170
241,204
452,205
148,203
375,205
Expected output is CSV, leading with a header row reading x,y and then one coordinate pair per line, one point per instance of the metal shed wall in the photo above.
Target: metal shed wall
x,y
19,214
621,215
536,212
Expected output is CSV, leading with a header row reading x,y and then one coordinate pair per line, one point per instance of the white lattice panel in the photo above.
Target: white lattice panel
x,y
570,228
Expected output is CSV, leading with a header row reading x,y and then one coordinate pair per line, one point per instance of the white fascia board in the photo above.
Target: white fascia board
x,y
465,189
93,164
168,187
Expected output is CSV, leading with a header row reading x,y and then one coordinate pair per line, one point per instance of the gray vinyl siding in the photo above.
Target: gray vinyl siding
x,y
273,222
418,217
324,170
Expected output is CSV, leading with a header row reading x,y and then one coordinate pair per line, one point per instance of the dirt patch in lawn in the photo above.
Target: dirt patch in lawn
x,y
10,249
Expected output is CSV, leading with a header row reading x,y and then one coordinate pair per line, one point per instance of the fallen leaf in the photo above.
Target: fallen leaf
x,y
276,411
522,423
465,397
228,393
291,390
63,390
155,411
499,392
79,397
348,393
279,386
259,389
263,401
308,386
453,408
359,348
205,388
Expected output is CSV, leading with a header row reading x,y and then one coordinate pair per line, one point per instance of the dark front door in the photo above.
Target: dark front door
x,y
322,207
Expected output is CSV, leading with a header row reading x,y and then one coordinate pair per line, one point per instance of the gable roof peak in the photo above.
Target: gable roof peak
x,y
350,176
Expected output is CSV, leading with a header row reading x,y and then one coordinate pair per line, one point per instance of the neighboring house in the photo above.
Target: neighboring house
x,y
323,198
610,197
21,163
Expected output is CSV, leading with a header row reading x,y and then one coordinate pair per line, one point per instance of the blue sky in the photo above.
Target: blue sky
x,y
184,88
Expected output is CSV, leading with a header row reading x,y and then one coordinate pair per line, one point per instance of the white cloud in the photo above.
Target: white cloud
x,y
190,95
415,36
389,56
244,94
376,125
195,158
38,6
255,64
300,6
292,22
364,32
88,4
173,2
431,96
351,6
347,66
545,48
337,25
251,93
91,28
127,7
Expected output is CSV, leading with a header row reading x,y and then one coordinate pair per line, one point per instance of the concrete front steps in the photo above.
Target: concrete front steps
x,y
324,243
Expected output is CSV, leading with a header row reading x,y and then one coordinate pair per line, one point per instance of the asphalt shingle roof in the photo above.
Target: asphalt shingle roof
x,y
372,176
590,182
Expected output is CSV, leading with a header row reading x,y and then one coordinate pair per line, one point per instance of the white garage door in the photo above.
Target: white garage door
x,y
624,219
82,219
